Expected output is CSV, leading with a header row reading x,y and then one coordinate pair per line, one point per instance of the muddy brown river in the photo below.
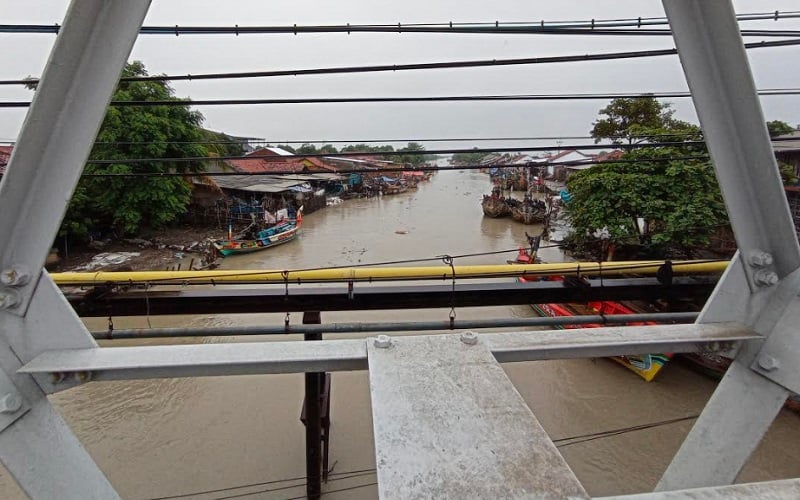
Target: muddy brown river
x,y
240,437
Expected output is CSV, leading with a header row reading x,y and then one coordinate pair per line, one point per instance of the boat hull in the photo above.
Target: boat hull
x,y
495,207
528,215
646,366
233,247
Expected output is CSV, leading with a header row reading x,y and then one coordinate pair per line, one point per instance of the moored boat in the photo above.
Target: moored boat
x,y
495,204
494,207
529,211
282,232
646,366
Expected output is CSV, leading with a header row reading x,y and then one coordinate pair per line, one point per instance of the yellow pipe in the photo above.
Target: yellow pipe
x,y
385,273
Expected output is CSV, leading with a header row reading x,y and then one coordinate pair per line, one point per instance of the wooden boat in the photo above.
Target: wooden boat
x,y
394,189
646,366
282,232
529,212
495,205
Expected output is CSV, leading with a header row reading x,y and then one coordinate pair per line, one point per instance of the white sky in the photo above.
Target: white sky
x,y
24,55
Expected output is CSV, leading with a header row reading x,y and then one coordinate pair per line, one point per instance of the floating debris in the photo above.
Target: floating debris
x,y
107,259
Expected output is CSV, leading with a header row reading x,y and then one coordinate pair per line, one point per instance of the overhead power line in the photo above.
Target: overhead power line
x,y
590,26
419,66
345,156
280,142
396,99
479,28
396,170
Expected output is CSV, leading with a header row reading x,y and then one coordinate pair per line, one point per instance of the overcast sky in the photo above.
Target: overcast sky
x,y
25,54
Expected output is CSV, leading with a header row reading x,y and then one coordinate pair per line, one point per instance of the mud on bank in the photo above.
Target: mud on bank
x,y
188,248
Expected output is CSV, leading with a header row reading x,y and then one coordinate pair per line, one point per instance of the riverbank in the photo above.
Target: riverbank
x,y
153,250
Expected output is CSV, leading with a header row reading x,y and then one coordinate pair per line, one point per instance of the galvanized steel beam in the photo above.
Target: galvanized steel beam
x,y
615,341
122,363
37,448
448,423
202,360
768,490
745,403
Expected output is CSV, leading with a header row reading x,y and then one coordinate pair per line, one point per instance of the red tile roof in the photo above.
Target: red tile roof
x,y
258,164
562,154
321,163
610,155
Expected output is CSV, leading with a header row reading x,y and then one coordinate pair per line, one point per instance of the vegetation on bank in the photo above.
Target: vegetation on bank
x,y
128,202
661,198
413,149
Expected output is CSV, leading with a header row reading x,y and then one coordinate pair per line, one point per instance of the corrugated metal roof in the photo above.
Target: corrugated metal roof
x,y
256,183
316,177
790,145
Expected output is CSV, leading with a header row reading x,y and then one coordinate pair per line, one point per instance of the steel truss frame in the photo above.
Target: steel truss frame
x,y
754,305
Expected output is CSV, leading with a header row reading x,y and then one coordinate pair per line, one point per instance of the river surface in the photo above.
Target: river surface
x,y
240,437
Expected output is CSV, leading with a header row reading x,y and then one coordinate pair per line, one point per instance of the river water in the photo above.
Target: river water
x,y
240,437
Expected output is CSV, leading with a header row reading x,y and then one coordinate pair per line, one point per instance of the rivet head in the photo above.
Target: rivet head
x,y
10,402
383,341
763,277
768,363
14,276
759,258
8,298
469,338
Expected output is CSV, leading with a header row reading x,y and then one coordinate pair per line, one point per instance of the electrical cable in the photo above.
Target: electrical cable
x,y
395,99
560,443
419,66
272,490
337,491
516,29
278,173
279,142
347,474
422,152
537,27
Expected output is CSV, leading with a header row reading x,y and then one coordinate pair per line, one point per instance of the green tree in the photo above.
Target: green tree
x,y
219,144
663,196
412,159
777,127
469,158
657,200
366,148
636,120
788,175
307,149
287,147
125,204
